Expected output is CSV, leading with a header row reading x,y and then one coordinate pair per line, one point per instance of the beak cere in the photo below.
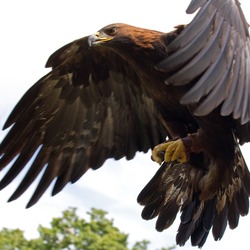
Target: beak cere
x,y
96,39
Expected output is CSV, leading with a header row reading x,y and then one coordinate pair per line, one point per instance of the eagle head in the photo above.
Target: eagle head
x,y
105,34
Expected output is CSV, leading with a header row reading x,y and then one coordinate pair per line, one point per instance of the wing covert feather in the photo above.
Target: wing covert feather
x,y
90,107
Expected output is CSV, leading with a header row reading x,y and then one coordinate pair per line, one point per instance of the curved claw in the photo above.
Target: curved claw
x,y
173,151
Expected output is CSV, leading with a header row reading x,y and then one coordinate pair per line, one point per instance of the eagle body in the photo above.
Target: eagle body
x,y
151,51
143,53
185,94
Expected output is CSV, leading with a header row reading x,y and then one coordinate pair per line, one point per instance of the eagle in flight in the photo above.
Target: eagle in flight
x,y
184,94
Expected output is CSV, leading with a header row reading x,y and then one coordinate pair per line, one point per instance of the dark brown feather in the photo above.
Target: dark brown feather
x,y
92,106
178,187
125,89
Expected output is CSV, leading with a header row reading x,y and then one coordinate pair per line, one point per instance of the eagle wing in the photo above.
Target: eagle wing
x,y
89,108
214,52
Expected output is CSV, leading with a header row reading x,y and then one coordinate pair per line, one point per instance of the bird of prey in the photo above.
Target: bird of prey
x,y
184,94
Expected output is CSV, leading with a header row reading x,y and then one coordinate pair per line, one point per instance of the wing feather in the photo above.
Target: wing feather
x,y
219,61
90,107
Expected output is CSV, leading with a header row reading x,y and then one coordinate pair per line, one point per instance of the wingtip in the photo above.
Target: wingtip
x,y
31,203
12,198
194,5
7,124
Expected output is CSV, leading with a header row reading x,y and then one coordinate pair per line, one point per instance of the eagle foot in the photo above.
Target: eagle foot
x,y
170,151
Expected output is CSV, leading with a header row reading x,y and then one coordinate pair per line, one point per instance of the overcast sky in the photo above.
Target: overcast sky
x,y
30,32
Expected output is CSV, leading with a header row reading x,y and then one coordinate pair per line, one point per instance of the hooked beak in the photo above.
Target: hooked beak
x,y
96,39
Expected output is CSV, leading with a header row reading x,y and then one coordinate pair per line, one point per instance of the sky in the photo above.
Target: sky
x,y
30,32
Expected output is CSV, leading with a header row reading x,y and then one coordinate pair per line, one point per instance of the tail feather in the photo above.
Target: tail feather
x,y
220,224
176,187
199,235
166,216
233,214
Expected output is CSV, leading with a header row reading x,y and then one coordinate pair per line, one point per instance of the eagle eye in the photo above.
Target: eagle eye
x,y
111,31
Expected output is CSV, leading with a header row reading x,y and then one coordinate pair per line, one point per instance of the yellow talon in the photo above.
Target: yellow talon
x,y
173,151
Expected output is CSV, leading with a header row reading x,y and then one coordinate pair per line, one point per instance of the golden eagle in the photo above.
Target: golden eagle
x,y
185,94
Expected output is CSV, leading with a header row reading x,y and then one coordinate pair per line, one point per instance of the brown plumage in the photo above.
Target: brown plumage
x,y
125,89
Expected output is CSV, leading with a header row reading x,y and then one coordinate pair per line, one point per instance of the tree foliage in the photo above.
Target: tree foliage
x,y
70,232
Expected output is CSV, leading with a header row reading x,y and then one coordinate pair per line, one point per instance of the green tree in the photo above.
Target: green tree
x,y
70,232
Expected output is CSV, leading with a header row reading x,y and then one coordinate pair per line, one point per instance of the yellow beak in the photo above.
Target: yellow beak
x,y
96,39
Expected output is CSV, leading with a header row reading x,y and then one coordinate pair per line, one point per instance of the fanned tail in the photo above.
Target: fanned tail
x,y
176,188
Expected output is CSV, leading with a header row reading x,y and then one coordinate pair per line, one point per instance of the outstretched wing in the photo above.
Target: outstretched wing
x,y
214,52
89,108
